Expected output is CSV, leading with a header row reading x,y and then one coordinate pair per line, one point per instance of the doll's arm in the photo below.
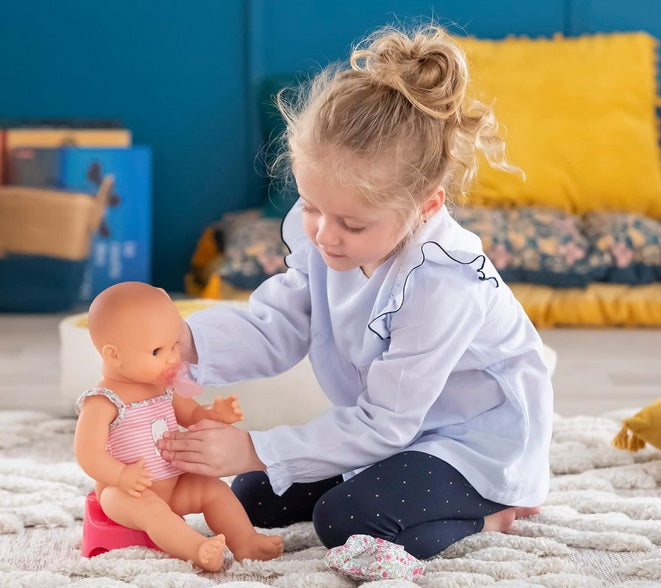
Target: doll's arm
x,y
90,447
225,410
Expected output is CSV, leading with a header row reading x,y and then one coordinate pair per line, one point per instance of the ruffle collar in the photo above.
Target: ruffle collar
x,y
294,237
441,241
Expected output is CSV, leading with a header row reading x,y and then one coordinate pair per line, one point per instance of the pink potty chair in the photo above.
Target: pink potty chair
x,y
100,534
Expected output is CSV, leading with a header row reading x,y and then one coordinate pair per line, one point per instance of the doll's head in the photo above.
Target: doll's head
x,y
136,327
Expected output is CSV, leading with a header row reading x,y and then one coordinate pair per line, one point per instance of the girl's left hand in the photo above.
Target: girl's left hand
x,y
211,448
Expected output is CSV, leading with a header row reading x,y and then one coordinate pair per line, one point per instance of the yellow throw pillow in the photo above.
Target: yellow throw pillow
x,y
643,427
580,120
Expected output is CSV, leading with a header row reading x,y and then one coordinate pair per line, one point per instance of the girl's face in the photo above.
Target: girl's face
x,y
347,233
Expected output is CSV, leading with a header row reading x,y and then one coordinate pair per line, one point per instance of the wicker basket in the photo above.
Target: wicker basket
x,y
45,238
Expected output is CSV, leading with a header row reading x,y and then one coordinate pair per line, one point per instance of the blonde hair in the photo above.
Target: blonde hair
x,y
395,122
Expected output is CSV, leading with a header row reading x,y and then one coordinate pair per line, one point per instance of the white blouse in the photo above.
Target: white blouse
x,y
432,353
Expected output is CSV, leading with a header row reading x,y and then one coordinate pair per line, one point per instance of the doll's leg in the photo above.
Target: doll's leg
x,y
223,513
169,531
413,499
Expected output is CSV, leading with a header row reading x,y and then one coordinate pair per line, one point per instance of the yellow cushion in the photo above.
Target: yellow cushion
x,y
598,304
579,117
643,427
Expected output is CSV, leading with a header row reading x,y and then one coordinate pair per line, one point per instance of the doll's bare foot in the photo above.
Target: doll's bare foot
x,y
260,547
502,520
211,553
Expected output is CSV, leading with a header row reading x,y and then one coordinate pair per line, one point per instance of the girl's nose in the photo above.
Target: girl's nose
x,y
327,234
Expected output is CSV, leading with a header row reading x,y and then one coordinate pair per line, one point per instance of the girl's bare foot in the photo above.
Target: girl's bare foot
x,y
527,511
502,520
499,521
211,553
260,547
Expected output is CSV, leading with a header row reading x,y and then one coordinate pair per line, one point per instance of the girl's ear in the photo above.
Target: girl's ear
x,y
433,204
110,354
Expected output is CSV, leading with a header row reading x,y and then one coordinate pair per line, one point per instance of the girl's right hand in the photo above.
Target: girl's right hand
x,y
211,448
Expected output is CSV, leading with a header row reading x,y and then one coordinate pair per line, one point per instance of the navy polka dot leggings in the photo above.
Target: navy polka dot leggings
x,y
412,498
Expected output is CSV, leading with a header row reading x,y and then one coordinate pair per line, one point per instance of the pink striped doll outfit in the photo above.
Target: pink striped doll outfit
x,y
136,429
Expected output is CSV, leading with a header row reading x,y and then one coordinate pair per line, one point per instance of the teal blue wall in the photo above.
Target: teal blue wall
x,y
596,16
172,71
184,77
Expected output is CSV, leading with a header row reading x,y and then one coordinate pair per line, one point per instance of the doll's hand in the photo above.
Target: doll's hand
x,y
135,478
226,410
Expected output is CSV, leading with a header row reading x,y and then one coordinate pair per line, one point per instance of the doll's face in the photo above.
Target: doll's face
x,y
148,349
136,328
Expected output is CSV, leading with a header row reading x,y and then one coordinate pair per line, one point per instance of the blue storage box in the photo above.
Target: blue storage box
x,y
45,238
121,250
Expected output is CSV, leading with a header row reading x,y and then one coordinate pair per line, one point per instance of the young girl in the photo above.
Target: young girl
x,y
135,327
442,411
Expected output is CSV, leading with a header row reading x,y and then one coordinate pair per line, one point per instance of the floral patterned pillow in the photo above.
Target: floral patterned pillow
x,y
630,245
253,248
543,246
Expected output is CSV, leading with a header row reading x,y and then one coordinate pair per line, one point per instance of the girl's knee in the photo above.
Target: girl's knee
x,y
332,523
254,492
251,488
327,523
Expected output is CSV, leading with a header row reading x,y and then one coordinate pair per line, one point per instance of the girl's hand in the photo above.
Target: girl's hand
x,y
211,448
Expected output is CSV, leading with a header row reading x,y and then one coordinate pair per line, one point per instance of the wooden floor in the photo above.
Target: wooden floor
x,y
597,370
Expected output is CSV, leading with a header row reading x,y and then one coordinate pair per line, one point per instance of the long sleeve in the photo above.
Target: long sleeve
x,y
273,335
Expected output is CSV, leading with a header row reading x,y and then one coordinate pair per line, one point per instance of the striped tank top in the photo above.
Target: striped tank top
x,y
136,429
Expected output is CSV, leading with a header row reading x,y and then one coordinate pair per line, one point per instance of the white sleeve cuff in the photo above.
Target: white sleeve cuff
x,y
275,471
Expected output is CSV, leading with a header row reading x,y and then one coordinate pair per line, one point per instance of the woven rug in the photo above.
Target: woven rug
x,y
601,524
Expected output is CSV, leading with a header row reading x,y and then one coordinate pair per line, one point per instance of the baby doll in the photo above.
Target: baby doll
x,y
135,327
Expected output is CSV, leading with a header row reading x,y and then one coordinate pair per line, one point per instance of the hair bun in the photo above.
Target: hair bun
x,y
428,68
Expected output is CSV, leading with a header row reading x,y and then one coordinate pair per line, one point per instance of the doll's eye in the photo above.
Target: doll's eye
x,y
155,351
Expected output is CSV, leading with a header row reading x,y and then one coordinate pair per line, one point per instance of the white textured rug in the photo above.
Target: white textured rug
x,y
601,524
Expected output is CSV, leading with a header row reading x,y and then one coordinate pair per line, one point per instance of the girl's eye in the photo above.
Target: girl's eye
x,y
306,208
354,229
155,351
